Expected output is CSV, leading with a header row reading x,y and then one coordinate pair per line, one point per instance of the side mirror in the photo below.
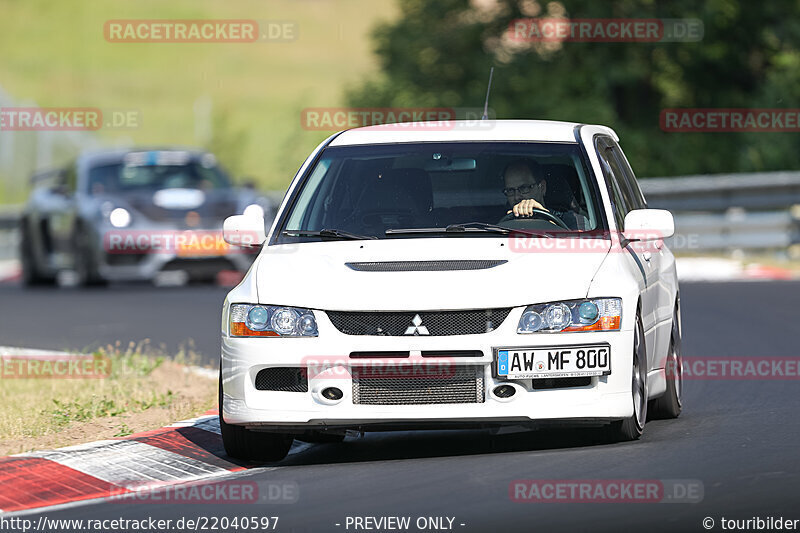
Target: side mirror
x,y
648,225
244,230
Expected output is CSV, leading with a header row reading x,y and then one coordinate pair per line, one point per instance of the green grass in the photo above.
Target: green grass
x,y
66,411
124,431
142,390
54,53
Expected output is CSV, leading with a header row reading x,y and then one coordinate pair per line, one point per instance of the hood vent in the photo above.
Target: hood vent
x,y
426,266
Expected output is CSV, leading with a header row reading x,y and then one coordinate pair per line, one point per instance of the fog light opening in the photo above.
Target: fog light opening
x,y
332,393
504,391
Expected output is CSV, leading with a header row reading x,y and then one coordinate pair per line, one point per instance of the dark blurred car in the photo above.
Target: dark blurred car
x,y
131,214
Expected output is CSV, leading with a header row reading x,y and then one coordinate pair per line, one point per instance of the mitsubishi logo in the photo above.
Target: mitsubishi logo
x,y
416,329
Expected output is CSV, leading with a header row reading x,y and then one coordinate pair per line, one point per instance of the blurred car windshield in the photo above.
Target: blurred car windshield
x,y
121,178
369,189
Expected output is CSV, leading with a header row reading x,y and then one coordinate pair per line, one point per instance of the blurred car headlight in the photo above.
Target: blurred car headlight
x,y
595,314
119,217
248,320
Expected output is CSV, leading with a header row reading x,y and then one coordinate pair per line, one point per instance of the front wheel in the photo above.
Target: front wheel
x,y
84,262
247,445
632,427
671,403
28,263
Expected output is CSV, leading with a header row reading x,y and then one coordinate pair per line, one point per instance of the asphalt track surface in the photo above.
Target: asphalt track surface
x,y
82,320
737,437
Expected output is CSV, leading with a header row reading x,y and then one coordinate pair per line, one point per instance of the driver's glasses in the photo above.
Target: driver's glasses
x,y
522,189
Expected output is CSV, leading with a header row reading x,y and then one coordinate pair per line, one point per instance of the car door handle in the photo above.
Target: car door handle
x,y
646,256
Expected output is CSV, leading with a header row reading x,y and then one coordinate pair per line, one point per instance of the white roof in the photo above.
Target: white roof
x,y
459,130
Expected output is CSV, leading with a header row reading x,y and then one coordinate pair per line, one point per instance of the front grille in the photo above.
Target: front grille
x,y
200,264
425,353
426,266
434,323
284,379
378,355
125,259
463,385
452,353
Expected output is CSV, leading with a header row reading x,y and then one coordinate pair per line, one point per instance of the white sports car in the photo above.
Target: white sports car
x,y
504,273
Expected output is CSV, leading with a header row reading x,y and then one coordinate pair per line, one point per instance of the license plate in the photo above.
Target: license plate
x,y
554,362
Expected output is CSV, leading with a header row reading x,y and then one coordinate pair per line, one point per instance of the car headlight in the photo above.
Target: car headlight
x,y
119,217
248,320
595,314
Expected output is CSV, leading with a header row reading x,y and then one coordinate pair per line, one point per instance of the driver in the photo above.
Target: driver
x,y
524,187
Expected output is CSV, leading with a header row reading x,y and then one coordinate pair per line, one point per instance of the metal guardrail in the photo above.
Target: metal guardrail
x,y
748,211
719,192
735,230
9,217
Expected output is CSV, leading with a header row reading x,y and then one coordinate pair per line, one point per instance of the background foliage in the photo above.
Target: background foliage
x,y
413,53
438,53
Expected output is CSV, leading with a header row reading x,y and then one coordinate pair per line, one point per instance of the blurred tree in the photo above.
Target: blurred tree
x,y
439,52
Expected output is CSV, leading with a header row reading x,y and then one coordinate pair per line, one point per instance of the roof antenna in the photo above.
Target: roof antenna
x,y
486,103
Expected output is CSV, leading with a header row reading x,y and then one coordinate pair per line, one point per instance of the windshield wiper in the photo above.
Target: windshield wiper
x,y
499,229
472,227
480,226
477,227
327,233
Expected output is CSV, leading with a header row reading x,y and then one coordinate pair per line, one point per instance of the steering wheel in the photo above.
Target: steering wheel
x,y
547,215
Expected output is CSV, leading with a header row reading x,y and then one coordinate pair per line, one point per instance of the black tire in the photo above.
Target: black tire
x,y
632,427
671,403
84,261
31,275
242,443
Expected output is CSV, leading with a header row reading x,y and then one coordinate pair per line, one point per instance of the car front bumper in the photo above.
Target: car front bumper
x,y
148,267
130,264
606,398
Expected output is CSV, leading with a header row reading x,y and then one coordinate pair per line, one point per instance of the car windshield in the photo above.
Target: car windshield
x,y
126,177
432,189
